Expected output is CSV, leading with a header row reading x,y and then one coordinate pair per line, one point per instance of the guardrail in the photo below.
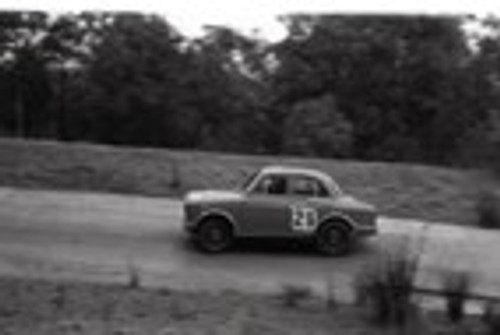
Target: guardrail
x,y
470,296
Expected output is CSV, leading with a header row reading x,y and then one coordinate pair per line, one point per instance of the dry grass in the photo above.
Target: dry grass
x,y
42,307
398,190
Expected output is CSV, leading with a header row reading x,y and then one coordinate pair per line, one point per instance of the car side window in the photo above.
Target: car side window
x,y
307,186
271,184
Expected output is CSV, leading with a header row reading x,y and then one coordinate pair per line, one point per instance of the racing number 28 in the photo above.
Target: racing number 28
x,y
304,219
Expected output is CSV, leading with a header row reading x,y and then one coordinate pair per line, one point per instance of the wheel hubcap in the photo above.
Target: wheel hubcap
x,y
333,238
215,236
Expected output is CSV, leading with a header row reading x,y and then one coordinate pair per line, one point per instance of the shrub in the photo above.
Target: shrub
x,y
386,288
292,295
331,298
133,276
488,210
491,318
175,178
456,291
60,298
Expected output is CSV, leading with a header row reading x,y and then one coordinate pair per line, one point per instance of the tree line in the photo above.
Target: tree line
x,y
393,88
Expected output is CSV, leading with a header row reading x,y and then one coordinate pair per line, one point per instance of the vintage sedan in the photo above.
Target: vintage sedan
x,y
279,201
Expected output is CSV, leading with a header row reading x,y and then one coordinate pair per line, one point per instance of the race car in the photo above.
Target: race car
x,y
281,202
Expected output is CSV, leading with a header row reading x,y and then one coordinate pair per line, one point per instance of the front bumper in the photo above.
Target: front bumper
x,y
366,231
188,226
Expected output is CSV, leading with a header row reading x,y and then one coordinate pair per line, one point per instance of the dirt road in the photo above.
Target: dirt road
x,y
100,237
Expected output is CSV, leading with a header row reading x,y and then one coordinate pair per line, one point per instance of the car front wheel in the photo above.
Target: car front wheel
x,y
333,239
214,235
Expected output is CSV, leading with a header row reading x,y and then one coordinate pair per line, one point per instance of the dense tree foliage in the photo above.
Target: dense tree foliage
x,y
395,78
412,88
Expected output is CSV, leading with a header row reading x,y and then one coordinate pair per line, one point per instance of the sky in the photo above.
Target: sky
x,y
189,16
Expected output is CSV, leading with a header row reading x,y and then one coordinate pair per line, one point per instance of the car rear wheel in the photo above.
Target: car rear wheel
x,y
214,235
333,239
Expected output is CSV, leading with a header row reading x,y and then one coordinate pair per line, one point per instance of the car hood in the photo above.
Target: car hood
x,y
213,195
350,202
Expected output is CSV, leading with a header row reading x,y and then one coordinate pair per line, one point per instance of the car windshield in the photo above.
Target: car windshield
x,y
249,179
337,191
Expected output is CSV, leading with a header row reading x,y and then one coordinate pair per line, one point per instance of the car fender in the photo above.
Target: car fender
x,y
217,212
334,215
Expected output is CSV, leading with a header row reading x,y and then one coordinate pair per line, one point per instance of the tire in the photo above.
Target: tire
x,y
334,239
214,235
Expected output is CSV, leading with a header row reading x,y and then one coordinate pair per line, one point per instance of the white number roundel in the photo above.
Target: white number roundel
x,y
304,218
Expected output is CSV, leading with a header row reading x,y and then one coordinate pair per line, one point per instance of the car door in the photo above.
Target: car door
x,y
309,202
266,211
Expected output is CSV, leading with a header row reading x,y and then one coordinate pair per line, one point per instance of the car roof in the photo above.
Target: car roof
x,y
328,181
281,169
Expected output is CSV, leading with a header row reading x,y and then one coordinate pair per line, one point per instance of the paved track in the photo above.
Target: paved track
x,y
98,237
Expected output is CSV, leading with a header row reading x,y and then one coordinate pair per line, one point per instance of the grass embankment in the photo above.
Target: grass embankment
x,y
41,307
402,190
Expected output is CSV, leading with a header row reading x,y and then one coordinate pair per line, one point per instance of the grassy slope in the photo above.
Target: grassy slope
x,y
399,190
